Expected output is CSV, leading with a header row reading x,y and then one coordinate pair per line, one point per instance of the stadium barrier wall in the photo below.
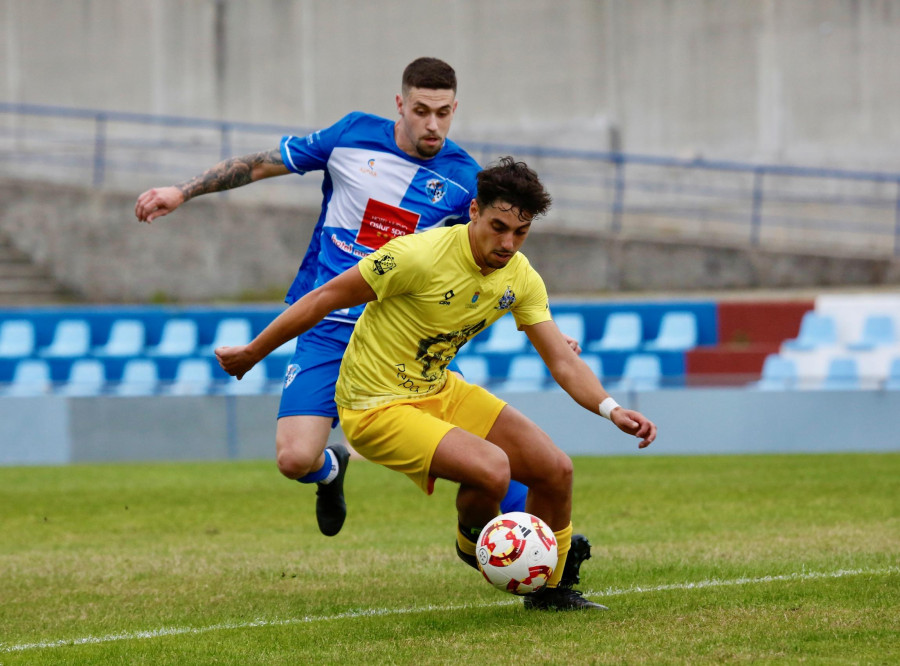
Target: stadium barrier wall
x,y
57,431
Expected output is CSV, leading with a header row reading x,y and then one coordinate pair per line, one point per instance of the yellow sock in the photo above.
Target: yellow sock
x,y
467,543
563,543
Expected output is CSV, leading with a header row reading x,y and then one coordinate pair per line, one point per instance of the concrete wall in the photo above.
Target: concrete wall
x,y
216,248
805,81
57,431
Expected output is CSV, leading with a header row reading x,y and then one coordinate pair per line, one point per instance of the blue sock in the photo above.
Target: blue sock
x,y
322,473
515,497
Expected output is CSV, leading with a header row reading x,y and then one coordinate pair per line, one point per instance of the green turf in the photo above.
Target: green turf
x,y
793,558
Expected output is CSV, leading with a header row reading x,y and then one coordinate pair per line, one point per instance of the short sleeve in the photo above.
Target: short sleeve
x,y
533,305
311,152
397,267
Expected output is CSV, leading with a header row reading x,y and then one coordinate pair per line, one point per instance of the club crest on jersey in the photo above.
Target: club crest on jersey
x,y
385,264
506,300
291,373
435,190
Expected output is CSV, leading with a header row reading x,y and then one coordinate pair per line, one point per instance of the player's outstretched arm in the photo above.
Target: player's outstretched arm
x,y
227,175
347,290
577,379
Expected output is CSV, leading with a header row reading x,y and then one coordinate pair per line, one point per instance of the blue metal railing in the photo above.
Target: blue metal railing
x,y
754,204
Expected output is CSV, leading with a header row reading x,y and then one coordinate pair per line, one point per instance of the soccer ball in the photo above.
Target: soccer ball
x,y
516,552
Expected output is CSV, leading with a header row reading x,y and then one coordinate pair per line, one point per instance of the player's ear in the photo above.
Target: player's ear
x,y
399,101
473,209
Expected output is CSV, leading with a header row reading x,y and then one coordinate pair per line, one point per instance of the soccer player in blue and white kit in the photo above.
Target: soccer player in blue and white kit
x,y
383,179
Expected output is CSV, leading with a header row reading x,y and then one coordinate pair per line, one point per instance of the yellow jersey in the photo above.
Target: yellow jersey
x,y
431,300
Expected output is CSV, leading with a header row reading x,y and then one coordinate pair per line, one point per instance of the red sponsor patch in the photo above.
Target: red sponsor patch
x,y
381,222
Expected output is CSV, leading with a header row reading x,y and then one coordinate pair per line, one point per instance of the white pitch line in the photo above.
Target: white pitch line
x,y
378,612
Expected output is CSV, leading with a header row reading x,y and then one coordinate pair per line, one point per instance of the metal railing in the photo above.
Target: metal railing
x,y
759,205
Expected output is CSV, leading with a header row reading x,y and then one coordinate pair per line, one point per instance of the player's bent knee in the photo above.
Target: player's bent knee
x,y
295,459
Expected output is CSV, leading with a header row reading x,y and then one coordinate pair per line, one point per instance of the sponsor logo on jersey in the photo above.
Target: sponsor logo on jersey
x,y
435,190
447,297
385,264
369,168
382,222
506,300
474,302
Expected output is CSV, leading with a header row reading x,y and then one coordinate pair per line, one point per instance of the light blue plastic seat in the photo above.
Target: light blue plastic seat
x,y
503,337
179,338
878,331
527,372
677,332
622,332
778,374
255,382
475,369
842,375
571,324
642,372
16,338
231,332
87,377
816,331
71,339
31,377
127,337
892,383
193,376
140,376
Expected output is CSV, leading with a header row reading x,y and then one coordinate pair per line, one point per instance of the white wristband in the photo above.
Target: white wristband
x,y
607,406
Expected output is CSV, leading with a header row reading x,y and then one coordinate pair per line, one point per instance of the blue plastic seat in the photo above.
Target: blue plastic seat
x,y
842,375
31,377
677,332
231,332
503,337
878,331
527,372
140,377
255,382
892,383
778,374
179,338
87,377
16,338
571,324
475,369
126,338
816,331
193,376
71,339
642,372
622,332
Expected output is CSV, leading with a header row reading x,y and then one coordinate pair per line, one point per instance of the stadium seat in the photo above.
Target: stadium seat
x,y
286,350
622,332
71,339
126,338
527,372
87,377
571,324
139,377
179,338
878,331
16,338
231,332
31,377
842,375
778,374
892,383
255,382
816,331
677,332
504,337
193,376
642,372
475,369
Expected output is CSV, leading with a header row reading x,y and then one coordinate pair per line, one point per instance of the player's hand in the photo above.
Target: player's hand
x,y
236,361
634,423
157,202
573,343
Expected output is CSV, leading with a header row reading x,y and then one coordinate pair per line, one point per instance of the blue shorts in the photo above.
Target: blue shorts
x,y
310,377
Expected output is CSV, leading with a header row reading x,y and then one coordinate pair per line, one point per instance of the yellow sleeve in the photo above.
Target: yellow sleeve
x,y
397,267
533,306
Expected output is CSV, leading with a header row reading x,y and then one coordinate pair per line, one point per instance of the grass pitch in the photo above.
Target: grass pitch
x,y
773,559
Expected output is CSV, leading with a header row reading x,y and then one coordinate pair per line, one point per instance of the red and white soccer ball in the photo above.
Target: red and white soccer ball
x,y
516,552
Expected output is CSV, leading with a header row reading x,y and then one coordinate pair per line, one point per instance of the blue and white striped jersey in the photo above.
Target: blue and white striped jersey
x,y
372,192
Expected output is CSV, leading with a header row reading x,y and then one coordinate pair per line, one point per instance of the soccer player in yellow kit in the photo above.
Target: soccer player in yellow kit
x,y
428,295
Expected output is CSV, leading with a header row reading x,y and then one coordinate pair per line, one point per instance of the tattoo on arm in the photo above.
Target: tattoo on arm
x,y
233,172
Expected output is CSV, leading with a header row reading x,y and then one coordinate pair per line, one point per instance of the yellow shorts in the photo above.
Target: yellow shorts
x,y
404,434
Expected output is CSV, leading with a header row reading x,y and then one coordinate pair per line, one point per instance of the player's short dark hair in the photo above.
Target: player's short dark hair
x,y
429,73
514,183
